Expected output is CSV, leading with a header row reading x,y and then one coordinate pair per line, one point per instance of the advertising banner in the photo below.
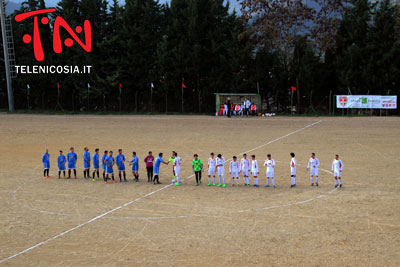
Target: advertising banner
x,y
366,101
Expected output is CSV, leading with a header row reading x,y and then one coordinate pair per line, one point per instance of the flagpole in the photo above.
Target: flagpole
x,y
151,97
88,96
291,103
182,98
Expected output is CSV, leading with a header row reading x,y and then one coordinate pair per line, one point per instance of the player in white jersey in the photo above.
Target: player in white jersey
x,y
337,167
245,168
254,170
270,163
293,164
313,164
221,170
177,168
212,162
234,169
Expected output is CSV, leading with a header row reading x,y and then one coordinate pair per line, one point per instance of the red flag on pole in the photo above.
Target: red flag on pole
x,y
294,88
120,85
58,85
183,85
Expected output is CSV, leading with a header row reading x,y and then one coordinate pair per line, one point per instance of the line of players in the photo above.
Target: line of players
x,y
216,167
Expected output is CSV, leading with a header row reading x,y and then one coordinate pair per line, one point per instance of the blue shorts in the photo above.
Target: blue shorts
x,y
104,167
71,165
61,167
135,168
86,165
109,170
121,168
96,166
46,165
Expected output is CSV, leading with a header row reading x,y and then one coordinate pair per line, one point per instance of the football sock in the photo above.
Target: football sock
x,y
316,179
340,180
237,181
59,174
64,173
223,178
84,173
312,179
256,181
69,173
267,181
209,180
120,177
75,172
104,175
124,176
273,181
233,181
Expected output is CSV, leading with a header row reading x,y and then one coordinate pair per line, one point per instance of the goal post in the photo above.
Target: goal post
x,y
236,98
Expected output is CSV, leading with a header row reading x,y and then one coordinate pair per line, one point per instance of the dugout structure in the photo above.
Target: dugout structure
x,y
236,98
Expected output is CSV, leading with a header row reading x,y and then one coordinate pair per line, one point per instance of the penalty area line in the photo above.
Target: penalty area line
x,y
137,199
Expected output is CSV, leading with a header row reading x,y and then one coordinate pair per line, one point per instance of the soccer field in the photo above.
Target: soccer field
x,y
61,222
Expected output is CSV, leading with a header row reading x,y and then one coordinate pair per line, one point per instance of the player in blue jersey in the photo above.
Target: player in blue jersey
x,y
96,164
120,160
46,164
61,160
135,166
157,164
109,169
72,158
86,163
104,165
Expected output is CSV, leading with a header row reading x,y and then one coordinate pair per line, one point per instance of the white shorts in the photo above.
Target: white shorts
x,y
292,171
235,174
221,171
254,174
314,171
270,174
211,172
337,174
177,171
246,173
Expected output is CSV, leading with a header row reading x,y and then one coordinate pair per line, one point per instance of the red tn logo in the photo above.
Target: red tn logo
x,y
57,43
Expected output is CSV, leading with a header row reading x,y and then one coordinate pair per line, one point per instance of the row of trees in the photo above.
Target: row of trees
x,y
322,47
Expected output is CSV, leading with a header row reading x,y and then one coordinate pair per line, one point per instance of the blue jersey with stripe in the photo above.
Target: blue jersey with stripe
x,y
96,160
61,160
119,160
86,159
135,163
72,157
157,165
103,158
46,160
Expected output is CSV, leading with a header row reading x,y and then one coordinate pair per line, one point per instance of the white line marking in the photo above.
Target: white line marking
x,y
133,201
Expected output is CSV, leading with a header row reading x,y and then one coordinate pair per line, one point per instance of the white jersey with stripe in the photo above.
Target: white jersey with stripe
x,y
221,161
254,166
337,165
245,164
177,163
293,164
212,163
313,163
270,163
234,166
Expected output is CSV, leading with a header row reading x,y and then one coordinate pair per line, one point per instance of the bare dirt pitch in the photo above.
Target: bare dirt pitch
x,y
83,223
